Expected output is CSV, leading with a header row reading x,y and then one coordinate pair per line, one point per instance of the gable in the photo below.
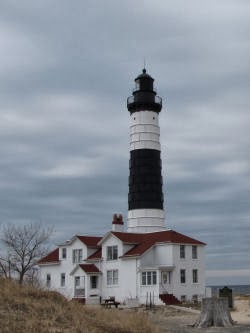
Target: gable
x,y
97,255
89,241
143,242
51,257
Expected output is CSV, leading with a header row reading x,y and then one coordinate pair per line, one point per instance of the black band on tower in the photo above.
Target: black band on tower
x,y
145,180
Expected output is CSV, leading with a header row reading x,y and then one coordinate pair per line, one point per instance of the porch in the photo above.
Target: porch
x,y
157,286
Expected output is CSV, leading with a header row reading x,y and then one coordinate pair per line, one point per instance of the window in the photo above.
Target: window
x,y
77,256
64,253
195,298
182,251
112,277
195,275
148,278
112,252
166,277
194,252
93,282
48,280
137,85
62,279
183,275
183,298
77,281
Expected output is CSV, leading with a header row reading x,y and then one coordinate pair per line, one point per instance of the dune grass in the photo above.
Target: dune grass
x,y
25,309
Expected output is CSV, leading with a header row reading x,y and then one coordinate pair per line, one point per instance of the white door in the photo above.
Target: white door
x,y
165,281
79,286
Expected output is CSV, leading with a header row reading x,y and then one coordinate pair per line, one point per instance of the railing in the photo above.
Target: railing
x,y
130,99
138,89
163,289
79,292
157,100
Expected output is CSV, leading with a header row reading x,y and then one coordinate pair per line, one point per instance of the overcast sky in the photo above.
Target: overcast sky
x,y
66,69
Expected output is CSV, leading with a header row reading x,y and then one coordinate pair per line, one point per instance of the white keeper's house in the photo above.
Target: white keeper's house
x,y
147,262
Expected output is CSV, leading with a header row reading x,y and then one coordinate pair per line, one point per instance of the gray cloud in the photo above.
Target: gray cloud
x,y
66,70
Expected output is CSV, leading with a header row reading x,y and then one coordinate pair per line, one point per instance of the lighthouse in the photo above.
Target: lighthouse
x,y
145,197
145,259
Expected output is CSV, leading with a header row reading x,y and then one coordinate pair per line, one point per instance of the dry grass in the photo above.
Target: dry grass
x,y
24,309
242,297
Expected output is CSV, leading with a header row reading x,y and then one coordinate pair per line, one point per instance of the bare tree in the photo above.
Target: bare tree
x,y
25,245
6,267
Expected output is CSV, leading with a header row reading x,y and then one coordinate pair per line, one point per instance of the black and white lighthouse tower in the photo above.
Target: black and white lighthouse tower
x,y
145,198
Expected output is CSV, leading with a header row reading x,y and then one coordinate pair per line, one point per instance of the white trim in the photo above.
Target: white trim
x,y
146,220
144,130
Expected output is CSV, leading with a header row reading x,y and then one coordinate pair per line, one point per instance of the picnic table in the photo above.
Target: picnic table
x,y
110,301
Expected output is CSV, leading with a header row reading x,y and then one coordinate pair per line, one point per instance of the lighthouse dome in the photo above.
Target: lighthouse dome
x,y
144,96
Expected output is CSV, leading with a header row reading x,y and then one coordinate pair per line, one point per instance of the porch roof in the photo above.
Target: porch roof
x,y
89,268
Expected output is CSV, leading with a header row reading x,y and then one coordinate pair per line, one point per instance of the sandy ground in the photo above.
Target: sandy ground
x,y
241,313
175,319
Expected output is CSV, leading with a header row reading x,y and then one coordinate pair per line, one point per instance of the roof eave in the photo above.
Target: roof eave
x,y
94,259
132,256
48,263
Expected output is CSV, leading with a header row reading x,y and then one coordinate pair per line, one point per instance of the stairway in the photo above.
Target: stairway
x,y
81,300
169,299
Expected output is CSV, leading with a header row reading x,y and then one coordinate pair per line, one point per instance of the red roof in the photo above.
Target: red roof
x,y
96,255
145,241
51,257
89,240
89,268
141,243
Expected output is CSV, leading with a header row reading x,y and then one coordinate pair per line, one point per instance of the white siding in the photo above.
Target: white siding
x,y
188,264
162,258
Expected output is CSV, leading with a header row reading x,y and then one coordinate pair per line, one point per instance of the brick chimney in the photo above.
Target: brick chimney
x,y
117,223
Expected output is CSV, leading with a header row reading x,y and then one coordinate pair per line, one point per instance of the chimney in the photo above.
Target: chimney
x,y
117,223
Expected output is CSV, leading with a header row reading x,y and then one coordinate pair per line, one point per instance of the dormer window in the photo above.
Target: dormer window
x,y
112,252
77,256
